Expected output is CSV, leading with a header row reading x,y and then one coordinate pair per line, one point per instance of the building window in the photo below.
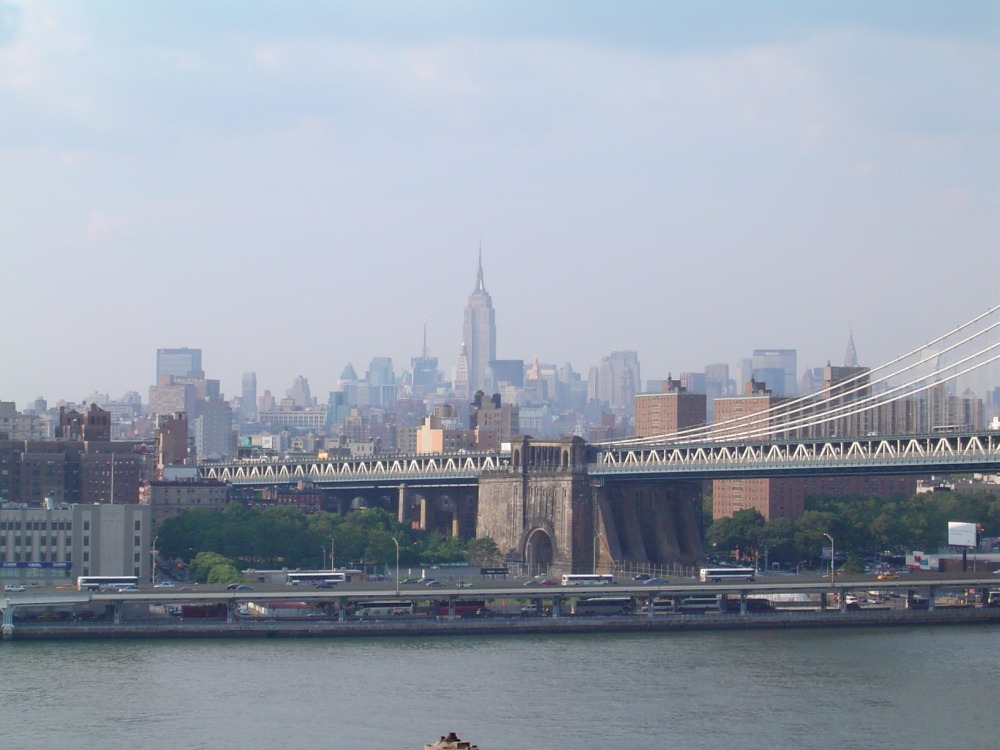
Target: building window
x,y
86,557
86,541
137,541
138,525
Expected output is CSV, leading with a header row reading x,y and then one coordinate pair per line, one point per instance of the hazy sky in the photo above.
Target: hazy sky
x,y
292,186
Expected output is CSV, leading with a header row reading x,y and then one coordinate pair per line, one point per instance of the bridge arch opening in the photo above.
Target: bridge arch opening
x,y
359,503
538,552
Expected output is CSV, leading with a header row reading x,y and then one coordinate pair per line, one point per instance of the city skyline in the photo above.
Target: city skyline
x,y
294,189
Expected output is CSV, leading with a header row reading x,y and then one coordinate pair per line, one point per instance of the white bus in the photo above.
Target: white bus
x,y
717,575
587,579
314,577
390,608
106,583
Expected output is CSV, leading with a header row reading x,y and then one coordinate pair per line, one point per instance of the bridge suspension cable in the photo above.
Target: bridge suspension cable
x,y
815,410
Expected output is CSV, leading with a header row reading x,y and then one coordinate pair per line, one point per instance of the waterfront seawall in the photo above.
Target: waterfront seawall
x,y
500,626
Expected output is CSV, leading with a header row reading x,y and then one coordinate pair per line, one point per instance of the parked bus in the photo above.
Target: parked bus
x,y
717,575
588,579
604,606
375,609
700,604
106,583
295,577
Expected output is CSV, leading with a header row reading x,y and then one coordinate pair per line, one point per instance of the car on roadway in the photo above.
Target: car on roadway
x,y
243,587
641,577
409,581
163,585
434,584
887,577
14,588
655,582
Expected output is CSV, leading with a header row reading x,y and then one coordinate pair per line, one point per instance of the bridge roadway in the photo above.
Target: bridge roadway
x,y
963,452
927,585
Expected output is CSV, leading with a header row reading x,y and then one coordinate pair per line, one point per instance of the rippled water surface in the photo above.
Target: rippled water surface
x,y
935,687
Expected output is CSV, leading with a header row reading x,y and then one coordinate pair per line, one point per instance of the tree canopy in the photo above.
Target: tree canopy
x,y
287,538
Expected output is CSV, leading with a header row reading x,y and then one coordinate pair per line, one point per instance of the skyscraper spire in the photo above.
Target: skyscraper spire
x,y
851,355
480,287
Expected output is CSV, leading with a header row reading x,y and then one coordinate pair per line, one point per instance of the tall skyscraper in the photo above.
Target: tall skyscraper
x,y
479,333
178,363
777,368
425,371
248,400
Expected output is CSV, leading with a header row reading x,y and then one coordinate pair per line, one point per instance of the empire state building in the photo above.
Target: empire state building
x,y
479,333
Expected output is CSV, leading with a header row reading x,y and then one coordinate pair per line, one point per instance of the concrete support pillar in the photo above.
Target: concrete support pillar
x,y
930,599
229,613
455,525
401,509
118,613
8,621
822,602
743,602
423,513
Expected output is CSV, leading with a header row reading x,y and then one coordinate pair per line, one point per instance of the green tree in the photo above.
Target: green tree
x,y
482,551
739,534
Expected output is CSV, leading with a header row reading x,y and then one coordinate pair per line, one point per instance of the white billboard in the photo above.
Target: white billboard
x,y
961,534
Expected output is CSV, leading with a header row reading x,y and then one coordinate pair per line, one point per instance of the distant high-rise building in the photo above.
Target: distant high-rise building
x,y
178,363
425,371
299,392
669,410
460,380
777,368
213,431
248,400
479,333
381,382
171,440
618,380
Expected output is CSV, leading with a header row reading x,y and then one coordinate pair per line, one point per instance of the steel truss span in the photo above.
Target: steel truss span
x,y
385,469
965,452
908,454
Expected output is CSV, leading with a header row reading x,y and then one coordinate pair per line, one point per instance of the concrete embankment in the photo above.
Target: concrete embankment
x,y
244,628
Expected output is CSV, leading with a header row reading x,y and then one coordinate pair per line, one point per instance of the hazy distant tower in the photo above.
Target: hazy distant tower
x,y
179,363
479,332
248,402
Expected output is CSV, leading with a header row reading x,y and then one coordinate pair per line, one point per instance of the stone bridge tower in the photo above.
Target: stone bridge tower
x,y
547,512
540,512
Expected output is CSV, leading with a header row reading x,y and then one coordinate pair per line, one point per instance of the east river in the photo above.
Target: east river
x,y
912,688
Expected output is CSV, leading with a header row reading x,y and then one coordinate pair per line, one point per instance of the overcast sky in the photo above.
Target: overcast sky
x,y
292,186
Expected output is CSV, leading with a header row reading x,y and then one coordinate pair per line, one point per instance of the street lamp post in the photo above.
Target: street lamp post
x,y
396,542
799,566
152,567
833,556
